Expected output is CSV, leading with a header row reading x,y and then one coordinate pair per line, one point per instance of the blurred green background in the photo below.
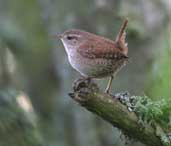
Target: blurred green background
x,y
35,76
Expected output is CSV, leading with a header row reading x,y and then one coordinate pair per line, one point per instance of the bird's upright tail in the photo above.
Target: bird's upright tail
x,y
120,39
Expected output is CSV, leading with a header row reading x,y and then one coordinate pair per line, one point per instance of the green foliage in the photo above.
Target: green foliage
x,y
160,84
159,111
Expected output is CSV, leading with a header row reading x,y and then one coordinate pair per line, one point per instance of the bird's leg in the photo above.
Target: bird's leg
x,y
109,85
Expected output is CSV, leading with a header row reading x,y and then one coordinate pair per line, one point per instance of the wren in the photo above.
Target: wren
x,y
95,56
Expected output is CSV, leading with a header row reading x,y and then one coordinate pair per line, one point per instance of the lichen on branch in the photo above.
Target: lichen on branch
x,y
138,117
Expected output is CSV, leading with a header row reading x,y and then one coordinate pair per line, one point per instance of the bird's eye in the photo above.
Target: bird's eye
x,y
70,37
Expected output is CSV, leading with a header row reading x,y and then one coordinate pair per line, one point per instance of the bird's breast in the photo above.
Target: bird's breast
x,y
95,68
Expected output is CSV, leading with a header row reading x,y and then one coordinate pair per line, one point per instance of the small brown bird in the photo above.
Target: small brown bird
x,y
95,56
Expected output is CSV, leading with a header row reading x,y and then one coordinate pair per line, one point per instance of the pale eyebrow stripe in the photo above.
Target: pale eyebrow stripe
x,y
73,35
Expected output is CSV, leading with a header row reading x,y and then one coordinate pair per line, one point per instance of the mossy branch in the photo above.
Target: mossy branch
x,y
116,112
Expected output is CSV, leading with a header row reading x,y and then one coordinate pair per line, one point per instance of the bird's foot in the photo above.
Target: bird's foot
x,y
84,82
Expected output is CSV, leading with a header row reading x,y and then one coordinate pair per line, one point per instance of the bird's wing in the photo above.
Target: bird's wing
x,y
95,49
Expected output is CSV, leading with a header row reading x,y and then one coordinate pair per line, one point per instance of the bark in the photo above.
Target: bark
x,y
108,107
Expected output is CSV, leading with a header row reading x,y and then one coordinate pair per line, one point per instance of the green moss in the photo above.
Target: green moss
x,y
155,113
147,110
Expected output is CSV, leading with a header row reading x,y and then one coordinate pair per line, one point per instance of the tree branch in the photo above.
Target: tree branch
x,y
87,94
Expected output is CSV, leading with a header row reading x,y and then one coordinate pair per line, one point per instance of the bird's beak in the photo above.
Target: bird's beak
x,y
59,36
56,36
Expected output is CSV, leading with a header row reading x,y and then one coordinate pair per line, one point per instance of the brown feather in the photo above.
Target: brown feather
x,y
100,48
120,39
